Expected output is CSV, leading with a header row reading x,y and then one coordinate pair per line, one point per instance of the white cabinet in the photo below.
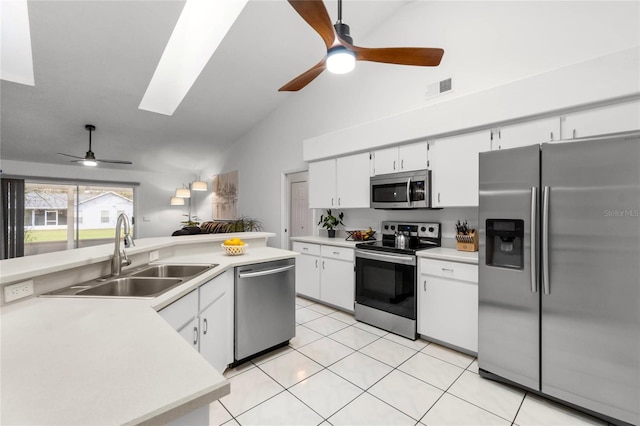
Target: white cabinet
x,y
340,182
308,269
204,318
402,158
524,134
325,273
322,184
614,118
216,320
454,168
448,303
337,277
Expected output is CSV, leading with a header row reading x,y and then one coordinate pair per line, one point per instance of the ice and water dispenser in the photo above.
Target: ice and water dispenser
x,y
505,243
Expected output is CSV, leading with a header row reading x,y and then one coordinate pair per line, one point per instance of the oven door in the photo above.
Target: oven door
x,y
386,282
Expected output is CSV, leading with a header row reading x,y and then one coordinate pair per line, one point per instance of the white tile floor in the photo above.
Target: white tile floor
x,y
338,371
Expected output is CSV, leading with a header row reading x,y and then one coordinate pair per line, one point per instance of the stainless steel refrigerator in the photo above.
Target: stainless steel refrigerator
x,y
559,272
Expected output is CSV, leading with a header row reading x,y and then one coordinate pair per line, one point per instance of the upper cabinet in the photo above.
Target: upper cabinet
x,y
454,168
403,158
340,182
614,118
523,134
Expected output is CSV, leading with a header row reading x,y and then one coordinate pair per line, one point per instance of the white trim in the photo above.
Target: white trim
x,y
284,205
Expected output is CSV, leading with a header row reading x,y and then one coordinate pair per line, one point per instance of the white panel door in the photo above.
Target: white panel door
x,y
308,276
385,161
601,121
524,134
448,311
337,285
216,334
300,214
216,321
455,169
353,181
413,156
191,333
322,184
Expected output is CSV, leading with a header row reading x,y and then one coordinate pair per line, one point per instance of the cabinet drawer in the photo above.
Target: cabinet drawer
x,y
340,253
307,248
181,311
454,270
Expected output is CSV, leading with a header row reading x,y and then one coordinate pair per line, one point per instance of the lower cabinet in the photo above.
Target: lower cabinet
x,y
448,303
204,318
325,273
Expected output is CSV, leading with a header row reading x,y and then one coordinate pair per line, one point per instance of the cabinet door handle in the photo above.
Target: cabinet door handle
x,y
205,327
305,248
447,270
195,335
331,201
401,164
574,133
438,197
316,263
337,253
338,200
394,164
425,285
323,264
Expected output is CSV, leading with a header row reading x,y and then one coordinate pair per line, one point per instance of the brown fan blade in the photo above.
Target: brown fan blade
x,y
315,14
305,78
422,56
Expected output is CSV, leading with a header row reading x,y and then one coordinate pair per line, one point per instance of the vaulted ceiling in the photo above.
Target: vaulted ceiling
x,y
93,61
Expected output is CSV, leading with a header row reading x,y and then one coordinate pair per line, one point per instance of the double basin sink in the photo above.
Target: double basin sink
x,y
146,282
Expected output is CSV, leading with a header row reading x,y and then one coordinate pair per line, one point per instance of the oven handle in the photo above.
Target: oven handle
x,y
392,258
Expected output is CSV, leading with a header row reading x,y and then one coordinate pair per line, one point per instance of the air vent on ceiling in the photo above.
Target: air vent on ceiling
x,y
435,89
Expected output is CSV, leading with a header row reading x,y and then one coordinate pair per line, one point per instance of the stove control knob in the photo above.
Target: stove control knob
x,y
431,229
423,229
393,227
386,227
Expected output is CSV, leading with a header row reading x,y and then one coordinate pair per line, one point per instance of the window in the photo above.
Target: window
x,y
60,216
104,216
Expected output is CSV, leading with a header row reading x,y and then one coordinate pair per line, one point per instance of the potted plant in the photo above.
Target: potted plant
x,y
330,222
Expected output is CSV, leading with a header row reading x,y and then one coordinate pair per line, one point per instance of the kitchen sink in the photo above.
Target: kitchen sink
x,y
175,271
143,282
132,287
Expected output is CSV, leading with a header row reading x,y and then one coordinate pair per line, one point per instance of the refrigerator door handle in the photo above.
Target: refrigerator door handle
x,y
534,247
545,240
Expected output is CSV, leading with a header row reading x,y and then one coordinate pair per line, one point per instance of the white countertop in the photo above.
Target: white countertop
x,y
338,241
108,361
450,254
440,253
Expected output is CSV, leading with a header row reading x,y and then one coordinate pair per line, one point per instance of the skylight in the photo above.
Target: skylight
x,y
201,27
16,61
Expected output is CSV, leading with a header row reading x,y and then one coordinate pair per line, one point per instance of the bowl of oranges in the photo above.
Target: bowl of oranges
x,y
234,246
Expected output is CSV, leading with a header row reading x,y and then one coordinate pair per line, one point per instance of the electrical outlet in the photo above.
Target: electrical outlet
x,y
18,291
154,255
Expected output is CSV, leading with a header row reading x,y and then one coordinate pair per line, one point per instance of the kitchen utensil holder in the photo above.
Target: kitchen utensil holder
x,y
467,242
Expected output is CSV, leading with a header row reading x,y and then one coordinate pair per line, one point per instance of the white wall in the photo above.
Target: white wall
x,y
152,196
487,44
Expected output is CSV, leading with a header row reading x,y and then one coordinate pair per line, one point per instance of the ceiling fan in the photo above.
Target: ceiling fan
x,y
342,53
90,159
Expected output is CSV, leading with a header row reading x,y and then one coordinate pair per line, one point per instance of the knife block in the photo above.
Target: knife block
x,y
468,242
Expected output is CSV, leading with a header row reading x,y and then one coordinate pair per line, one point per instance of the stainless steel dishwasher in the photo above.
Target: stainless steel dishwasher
x,y
264,307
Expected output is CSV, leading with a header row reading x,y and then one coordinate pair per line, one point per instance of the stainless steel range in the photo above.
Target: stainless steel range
x,y
386,275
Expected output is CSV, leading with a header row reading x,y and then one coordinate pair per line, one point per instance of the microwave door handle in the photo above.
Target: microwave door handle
x,y
409,192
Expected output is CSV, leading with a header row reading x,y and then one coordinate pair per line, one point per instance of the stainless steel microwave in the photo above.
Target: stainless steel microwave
x,y
406,190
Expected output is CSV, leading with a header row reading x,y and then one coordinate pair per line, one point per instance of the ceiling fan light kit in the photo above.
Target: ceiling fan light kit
x,y
340,60
342,53
89,158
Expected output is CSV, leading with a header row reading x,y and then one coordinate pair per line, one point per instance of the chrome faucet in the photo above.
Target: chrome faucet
x,y
120,258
